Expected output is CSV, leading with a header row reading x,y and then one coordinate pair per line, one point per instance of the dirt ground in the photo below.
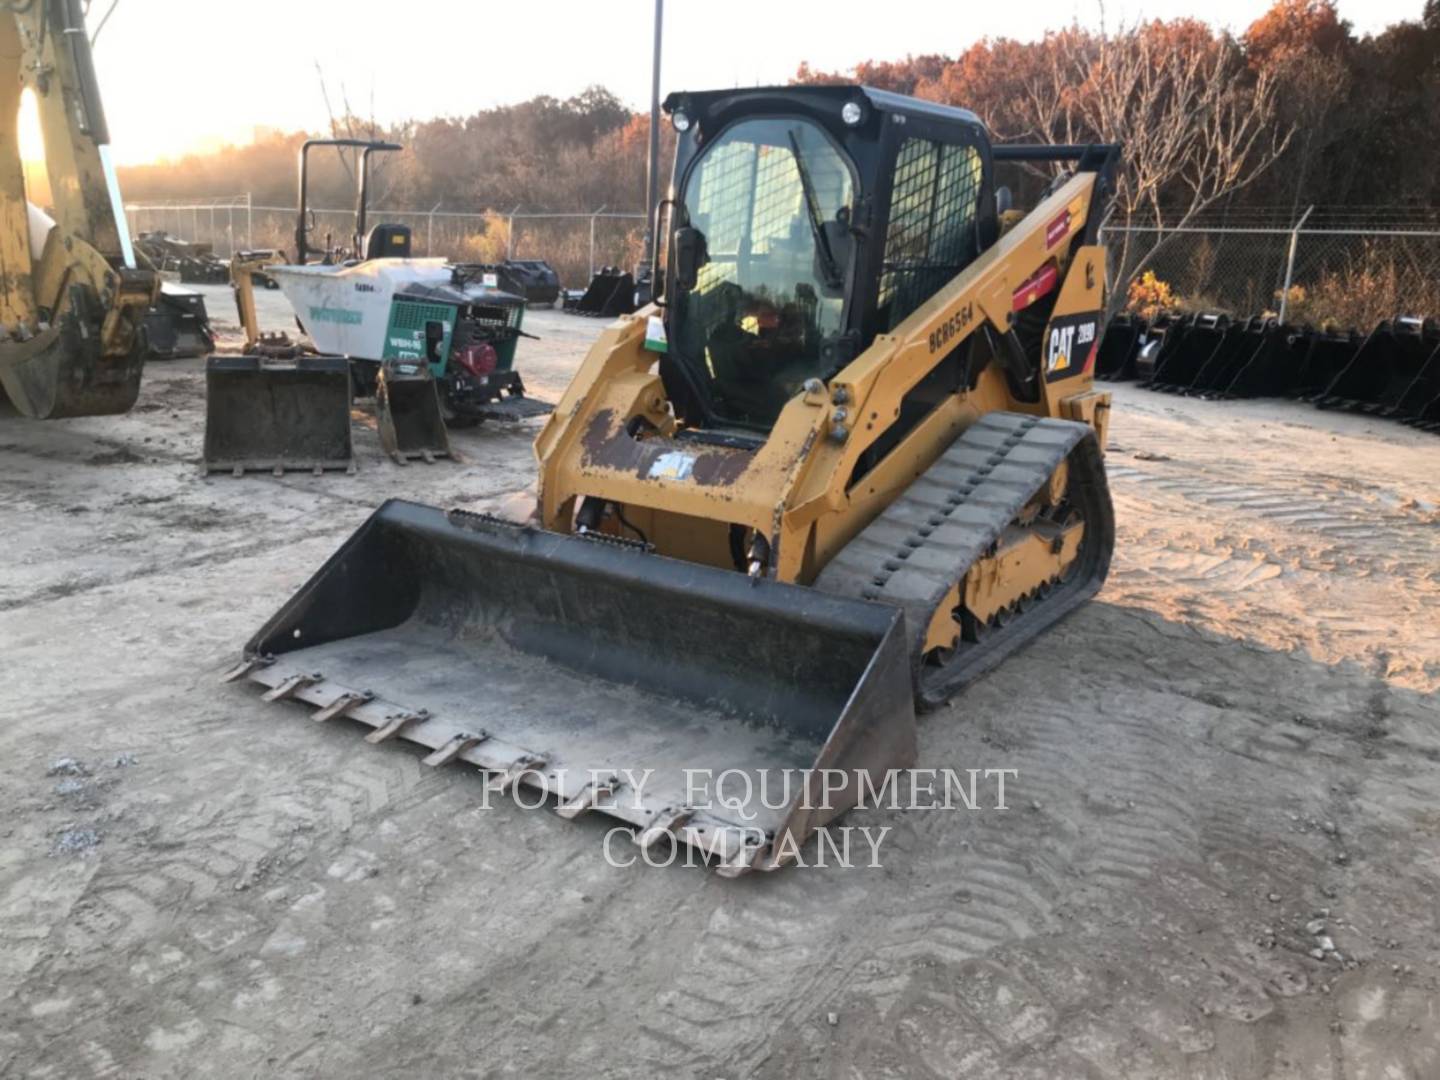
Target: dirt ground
x,y
1221,857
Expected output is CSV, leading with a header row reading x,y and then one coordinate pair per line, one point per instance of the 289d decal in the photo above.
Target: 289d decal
x,y
1070,345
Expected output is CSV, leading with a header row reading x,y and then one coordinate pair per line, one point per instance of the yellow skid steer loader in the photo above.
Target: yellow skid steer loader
x,y
849,460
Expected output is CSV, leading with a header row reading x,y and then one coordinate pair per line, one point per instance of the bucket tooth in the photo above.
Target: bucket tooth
x,y
395,723
290,686
589,795
518,768
245,667
343,704
458,744
743,860
666,823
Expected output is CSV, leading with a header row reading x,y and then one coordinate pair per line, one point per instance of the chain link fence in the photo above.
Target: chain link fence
x,y
1343,267
576,243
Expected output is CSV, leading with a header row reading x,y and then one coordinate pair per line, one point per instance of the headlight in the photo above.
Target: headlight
x,y
679,121
852,114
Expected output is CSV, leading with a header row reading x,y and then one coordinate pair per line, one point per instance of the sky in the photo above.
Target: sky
x,y
184,75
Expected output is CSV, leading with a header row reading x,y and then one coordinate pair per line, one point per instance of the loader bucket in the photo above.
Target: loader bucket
x,y
408,410
268,415
574,665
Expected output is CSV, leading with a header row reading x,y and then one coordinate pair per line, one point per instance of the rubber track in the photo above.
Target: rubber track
x,y
926,540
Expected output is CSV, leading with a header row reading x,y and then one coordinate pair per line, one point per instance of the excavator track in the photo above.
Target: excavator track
x,y
919,549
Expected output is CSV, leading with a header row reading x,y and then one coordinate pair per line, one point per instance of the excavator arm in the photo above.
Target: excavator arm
x,y
72,300
243,267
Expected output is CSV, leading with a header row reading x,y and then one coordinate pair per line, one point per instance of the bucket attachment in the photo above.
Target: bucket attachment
x,y
1123,337
1420,404
1328,354
1240,342
178,325
408,409
574,665
611,292
1274,365
1189,346
1383,368
273,415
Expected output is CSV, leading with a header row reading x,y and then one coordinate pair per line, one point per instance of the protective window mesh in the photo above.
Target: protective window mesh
x,y
931,237
413,316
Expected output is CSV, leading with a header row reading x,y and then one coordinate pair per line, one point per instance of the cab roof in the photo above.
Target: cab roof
x,y
712,102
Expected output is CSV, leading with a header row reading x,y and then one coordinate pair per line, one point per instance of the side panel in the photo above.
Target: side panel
x,y
1071,344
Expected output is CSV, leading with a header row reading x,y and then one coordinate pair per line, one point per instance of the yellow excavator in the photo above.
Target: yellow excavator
x,y
72,299
848,460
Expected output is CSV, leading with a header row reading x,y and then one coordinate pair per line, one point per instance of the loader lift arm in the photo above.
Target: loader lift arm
x,y
72,304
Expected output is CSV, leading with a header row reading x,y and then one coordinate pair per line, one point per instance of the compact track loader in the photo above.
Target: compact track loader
x,y
848,461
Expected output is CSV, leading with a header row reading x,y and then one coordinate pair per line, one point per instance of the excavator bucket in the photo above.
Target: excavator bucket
x,y
1382,370
599,673
277,415
408,408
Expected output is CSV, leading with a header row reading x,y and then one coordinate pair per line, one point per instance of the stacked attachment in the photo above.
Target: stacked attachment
x,y
1394,371
611,292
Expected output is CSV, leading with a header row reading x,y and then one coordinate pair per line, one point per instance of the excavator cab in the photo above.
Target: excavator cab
x,y
847,461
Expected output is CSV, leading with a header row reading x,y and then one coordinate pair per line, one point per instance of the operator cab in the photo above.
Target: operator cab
x,y
804,221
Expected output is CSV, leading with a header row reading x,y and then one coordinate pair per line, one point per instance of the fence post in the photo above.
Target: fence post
x,y
593,216
510,235
1290,261
430,230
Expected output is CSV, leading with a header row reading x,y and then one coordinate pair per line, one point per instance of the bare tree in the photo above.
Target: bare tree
x,y
1196,125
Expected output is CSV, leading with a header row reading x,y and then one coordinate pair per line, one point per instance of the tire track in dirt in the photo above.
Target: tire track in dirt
x,y
1164,872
